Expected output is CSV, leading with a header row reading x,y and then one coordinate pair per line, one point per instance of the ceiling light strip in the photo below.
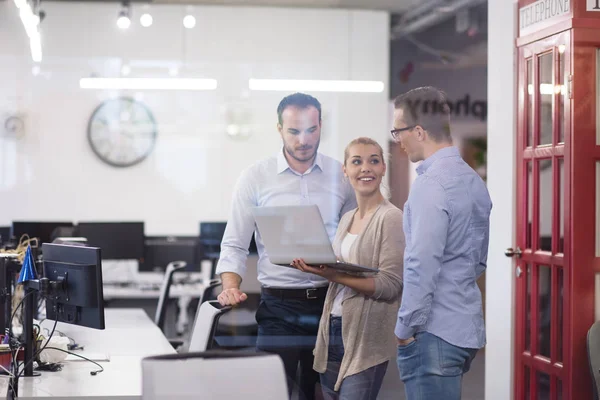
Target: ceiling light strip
x,y
316,85
148,84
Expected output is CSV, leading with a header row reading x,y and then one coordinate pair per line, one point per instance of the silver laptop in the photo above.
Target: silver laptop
x,y
290,232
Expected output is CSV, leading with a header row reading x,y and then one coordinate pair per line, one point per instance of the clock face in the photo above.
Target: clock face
x,y
122,132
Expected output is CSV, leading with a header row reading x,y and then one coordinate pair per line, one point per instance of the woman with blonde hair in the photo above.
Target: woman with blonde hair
x,y
356,333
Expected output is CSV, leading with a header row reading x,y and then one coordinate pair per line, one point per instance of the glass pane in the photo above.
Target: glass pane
x,y
563,94
545,199
544,278
559,394
561,282
529,127
598,102
528,232
561,207
528,310
598,207
527,383
543,385
546,94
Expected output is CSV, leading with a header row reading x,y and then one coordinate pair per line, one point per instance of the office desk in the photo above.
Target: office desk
x,y
129,336
141,291
183,292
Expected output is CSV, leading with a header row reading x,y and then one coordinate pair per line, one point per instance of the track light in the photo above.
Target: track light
x,y
123,21
189,21
146,20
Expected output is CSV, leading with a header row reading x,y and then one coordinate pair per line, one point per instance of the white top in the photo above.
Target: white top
x,y
347,243
272,182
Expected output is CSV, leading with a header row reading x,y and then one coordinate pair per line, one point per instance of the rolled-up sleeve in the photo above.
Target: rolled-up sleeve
x,y
428,220
240,227
388,281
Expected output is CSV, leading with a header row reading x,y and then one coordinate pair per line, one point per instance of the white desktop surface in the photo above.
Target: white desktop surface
x,y
111,292
129,336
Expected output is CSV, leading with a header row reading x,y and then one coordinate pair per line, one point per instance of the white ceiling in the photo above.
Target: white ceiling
x,y
398,6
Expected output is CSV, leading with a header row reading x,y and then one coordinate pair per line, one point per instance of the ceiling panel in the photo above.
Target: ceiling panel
x,y
397,6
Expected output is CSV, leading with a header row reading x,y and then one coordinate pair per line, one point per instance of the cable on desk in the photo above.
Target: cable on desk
x,y
37,353
93,373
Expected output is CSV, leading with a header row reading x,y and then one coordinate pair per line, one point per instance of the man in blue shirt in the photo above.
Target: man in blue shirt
x,y
291,300
446,224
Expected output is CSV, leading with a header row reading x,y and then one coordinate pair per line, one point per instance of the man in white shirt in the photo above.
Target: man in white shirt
x,y
291,301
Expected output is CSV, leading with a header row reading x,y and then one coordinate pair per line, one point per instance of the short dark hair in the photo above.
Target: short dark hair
x,y
299,100
437,121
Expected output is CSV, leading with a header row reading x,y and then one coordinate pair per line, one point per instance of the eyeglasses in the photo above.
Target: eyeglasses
x,y
396,132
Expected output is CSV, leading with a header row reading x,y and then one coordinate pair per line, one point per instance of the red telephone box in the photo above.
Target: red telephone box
x,y
558,195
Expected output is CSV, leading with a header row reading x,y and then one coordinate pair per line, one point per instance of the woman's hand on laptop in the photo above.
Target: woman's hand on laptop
x,y
232,297
322,270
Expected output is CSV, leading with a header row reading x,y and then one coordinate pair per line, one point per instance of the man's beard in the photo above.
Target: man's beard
x,y
294,153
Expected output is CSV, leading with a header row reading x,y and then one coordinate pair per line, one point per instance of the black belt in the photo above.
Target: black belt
x,y
297,294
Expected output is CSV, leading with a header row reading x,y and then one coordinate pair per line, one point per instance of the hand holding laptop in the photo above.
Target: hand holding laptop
x,y
321,270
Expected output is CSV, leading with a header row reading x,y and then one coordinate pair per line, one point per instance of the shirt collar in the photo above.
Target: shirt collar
x,y
445,152
283,165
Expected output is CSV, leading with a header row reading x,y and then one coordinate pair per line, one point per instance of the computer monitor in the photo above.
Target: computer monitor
x,y
118,240
44,231
4,234
80,300
211,235
161,250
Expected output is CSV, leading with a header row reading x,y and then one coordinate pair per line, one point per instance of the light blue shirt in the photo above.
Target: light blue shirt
x,y
446,225
272,182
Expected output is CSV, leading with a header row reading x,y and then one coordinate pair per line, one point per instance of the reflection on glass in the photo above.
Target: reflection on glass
x,y
561,206
543,385
544,278
528,232
545,199
546,71
528,309
529,128
559,339
562,98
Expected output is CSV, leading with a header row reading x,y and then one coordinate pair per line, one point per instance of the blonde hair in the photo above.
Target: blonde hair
x,y
366,141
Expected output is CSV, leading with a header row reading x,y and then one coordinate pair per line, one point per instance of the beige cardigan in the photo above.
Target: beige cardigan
x,y
367,322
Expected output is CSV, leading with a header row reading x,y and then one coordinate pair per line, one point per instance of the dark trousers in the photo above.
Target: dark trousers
x,y
288,327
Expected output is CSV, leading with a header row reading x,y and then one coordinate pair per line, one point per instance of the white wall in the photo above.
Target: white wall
x,y
501,162
51,173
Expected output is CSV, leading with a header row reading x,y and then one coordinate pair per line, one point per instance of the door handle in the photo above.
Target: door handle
x,y
512,253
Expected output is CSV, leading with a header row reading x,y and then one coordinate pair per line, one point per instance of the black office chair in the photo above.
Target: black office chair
x,y
593,349
205,325
238,329
163,299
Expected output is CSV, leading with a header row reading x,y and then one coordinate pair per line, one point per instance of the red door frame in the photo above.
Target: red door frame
x,y
585,44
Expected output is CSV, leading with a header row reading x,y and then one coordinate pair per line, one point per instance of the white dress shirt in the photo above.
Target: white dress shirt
x,y
272,182
347,243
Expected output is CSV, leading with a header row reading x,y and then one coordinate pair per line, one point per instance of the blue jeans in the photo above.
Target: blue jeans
x,y
362,386
432,369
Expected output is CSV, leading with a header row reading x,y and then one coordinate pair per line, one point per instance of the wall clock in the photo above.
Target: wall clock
x,y
122,132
